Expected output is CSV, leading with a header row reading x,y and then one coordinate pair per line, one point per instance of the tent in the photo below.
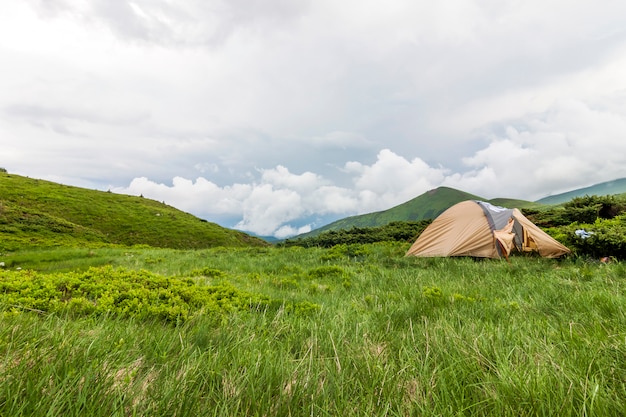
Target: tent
x,y
480,229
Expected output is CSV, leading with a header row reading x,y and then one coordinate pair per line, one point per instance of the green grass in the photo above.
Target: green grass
x,y
37,213
392,336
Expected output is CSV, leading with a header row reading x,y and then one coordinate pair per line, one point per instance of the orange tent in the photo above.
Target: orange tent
x,y
480,229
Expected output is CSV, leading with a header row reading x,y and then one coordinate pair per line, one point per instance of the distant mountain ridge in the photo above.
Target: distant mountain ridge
x,y
617,186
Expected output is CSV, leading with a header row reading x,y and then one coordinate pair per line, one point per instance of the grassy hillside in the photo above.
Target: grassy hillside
x,y
606,188
37,213
426,206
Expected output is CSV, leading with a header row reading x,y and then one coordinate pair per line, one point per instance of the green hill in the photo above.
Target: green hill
x,y
38,213
617,186
426,206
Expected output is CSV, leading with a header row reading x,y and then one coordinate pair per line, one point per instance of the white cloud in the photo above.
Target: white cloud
x,y
282,178
341,140
263,208
201,197
333,199
287,113
270,206
393,179
186,23
569,146
288,231
537,153
267,209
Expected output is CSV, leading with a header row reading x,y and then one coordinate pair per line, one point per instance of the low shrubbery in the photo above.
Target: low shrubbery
x,y
399,231
128,294
602,218
602,238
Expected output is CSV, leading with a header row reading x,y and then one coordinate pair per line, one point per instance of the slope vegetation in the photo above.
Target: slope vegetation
x,y
37,213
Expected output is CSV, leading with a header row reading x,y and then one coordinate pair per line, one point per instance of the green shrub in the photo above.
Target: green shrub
x,y
131,294
607,239
326,271
432,293
581,210
207,272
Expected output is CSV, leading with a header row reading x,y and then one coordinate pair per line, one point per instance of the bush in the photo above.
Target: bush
x,y
585,210
588,209
128,294
608,238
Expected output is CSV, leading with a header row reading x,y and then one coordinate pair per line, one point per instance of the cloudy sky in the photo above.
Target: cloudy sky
x,y
278,116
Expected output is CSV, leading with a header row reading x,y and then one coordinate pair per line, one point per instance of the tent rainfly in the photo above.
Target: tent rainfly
x,y
479,229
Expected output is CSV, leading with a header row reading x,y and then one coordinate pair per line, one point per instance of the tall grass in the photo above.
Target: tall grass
x,y
394,336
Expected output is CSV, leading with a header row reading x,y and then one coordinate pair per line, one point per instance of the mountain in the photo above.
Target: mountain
x,y
432,203
426,206
617,186
38,213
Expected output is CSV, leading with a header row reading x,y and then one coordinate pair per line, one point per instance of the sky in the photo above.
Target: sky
x,y
276,117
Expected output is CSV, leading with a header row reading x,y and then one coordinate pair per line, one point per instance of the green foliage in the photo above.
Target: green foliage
x,y
340,251
208,272
326,271
585,209
588,209
124,293
603,216
331,273
432,293
607,238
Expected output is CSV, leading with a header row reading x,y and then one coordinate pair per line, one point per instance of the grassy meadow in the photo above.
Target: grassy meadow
x,y
354,330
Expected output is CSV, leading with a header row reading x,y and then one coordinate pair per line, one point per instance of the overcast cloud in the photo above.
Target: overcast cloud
x,y
278,116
